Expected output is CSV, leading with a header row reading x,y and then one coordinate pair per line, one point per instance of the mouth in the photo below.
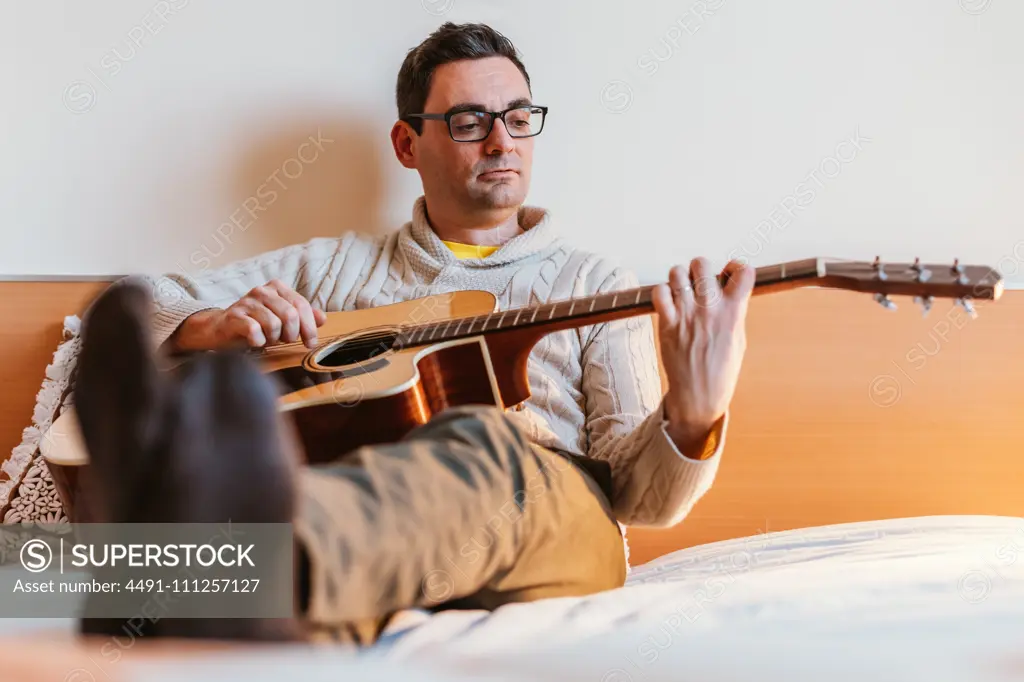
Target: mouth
x,y
499,174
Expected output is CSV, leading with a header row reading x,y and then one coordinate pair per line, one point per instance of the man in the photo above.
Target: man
x,y
478,507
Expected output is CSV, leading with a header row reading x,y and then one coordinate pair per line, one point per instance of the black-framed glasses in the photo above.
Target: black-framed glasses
x,y
473,126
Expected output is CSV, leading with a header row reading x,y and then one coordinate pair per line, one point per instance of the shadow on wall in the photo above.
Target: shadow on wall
x,y
319,178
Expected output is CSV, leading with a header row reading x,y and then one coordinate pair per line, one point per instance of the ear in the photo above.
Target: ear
x,y
118,389
403,140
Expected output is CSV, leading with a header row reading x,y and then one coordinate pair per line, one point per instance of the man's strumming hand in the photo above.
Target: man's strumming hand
x,y
268,314
702,333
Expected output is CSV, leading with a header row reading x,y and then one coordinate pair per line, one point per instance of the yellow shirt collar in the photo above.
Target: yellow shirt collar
x,y
469,250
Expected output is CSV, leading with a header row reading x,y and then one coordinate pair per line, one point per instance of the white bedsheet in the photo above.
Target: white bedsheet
x,y
935,598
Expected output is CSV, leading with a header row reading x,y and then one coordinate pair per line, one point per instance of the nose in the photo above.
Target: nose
x,y
499,141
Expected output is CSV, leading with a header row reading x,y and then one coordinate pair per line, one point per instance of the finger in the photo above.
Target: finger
x,y
682,289
307,321
283,309
707,292
740,279
319,316
665,306
240,326
269,322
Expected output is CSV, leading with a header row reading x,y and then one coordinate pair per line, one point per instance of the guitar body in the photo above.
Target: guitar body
x,y
353,389
356,390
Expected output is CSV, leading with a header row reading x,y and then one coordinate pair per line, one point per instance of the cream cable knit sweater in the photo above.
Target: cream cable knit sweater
x,y
596,390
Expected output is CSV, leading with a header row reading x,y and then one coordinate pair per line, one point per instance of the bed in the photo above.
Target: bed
x,y
937,598
846,537
930,598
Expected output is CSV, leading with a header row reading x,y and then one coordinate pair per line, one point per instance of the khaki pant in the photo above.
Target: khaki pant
x,y
463,512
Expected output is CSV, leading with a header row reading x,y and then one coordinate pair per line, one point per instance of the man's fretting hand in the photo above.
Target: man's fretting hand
x,y
266,315
702,333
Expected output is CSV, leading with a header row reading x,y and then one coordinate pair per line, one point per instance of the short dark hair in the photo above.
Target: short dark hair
x,y
449,43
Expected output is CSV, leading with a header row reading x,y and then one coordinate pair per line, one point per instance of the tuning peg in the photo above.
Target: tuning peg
x,y
880,269
923,274
926,304
884,301
958,269
968,307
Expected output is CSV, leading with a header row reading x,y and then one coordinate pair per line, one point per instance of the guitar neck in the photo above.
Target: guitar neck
x,y
579,312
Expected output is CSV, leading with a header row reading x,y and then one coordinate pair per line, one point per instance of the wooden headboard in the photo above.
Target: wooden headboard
x,y
848,412
844,411
33,317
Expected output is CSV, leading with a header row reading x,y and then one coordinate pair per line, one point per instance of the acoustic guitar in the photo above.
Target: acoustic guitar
x,y
377,373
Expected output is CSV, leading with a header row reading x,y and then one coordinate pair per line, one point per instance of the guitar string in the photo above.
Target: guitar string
x,y
429,329
764,275
598,303
423,331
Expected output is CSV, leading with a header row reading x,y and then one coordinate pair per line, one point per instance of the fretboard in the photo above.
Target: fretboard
x,y
576,312
557,314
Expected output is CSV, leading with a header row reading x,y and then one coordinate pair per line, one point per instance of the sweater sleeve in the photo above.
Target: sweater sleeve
x,y
654,484
302,267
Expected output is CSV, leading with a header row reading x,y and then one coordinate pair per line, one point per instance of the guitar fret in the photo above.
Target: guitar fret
x,y
553,307
501,320
459,326
639,293
571,307
593,302
614,298
516,321
535,311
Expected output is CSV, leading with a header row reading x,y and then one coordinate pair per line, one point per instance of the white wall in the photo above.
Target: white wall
x,y
133,129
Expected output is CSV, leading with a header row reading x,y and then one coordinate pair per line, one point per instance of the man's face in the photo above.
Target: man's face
x,y
493,173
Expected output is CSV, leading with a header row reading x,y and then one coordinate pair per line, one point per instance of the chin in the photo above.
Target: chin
x,y
501,195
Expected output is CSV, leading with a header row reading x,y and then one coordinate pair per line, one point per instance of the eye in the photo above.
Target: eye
x,y
519,117
467,120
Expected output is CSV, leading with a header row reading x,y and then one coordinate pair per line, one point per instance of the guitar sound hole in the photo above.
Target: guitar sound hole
x,y
359,350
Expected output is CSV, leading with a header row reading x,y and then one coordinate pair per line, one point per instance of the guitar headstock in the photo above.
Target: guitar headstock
x,y
924,281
